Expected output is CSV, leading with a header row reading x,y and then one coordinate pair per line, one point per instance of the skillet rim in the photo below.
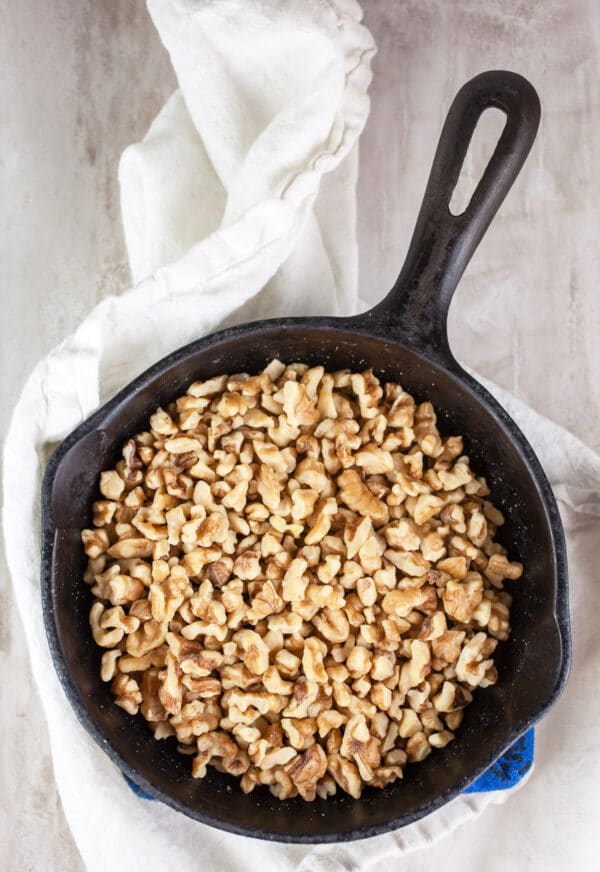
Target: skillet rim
x,y
361,325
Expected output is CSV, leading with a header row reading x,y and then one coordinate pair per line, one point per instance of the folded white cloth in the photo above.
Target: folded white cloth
x,y
238,204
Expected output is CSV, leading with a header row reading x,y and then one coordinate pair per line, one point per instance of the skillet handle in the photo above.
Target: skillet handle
x,y
443,243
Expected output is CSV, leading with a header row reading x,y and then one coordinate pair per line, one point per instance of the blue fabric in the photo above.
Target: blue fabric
x,y
503,774
508,769
138,790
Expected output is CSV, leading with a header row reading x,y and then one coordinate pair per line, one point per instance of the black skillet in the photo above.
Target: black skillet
x,y
403,339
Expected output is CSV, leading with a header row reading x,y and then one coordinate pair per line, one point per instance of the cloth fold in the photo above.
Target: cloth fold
x,y
238,204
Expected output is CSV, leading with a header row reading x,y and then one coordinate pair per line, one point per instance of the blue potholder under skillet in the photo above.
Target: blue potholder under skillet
x,y
507,771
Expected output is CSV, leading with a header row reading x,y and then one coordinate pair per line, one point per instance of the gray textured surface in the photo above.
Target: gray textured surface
x,y
82,80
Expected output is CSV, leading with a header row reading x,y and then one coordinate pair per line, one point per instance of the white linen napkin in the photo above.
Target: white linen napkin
x,y
238,204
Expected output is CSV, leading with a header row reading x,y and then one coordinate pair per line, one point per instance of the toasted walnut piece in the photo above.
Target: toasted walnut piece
x,y
454,566
305,693
367,591
426,507
165,599
247,565
105,638
298,407
358,745
401,603
103,512
111,484
403,535
459,475
231,404
325,403
123,590
433,547
150,635
306,770
249,780
356,533
328,720
156,657
440,739
299,732
433,626
130,548
451,698
219,572
369,392
311,380
326,787
109,667
383,666
260,701
418,698
370,555
294,581
477,528
278,757
447,647
357,496
417,747
95,567
116,617
208,388
409,562
461,599
255,653
454,517
266,602
426,432
345,774
417,668
303,503
210,745
162,423
321,521
333,625
329,570
359,661
312,660
374,460
269,487
409,724
381,696
283,433
127,694
182,444
472,665
151,706
287,663
499,568
273,682
203,604
95,542
287,624
311,473
498,621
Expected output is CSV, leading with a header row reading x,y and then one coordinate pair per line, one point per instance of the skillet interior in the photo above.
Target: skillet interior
x,y
532,664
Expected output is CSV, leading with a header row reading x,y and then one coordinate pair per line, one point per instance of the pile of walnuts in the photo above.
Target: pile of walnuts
x,y
296,576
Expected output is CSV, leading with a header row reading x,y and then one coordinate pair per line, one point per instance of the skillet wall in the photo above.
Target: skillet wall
x,y
528,663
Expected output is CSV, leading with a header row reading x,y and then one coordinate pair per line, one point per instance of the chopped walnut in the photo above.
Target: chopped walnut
x,y
295,575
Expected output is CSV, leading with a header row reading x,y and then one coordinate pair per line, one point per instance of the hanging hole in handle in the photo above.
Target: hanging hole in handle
x,y
481,148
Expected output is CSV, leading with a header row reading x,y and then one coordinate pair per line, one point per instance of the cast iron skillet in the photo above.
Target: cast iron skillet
x,y
402,339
